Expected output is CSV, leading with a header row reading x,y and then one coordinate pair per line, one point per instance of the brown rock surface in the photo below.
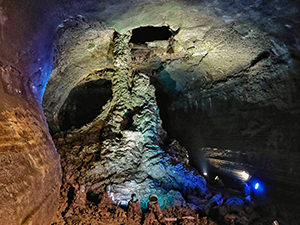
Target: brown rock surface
x,y
30,173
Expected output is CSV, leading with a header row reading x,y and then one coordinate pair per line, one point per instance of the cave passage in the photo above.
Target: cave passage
x,y
84,103
142,35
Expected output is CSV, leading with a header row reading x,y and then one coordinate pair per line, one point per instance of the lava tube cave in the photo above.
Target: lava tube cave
x,y
149,112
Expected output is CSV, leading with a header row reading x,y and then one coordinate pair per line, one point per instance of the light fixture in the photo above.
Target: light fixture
x,y
244,175
258,187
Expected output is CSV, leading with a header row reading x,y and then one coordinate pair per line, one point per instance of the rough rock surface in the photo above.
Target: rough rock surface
x,y
201,89
124,148
30,174
251,112
250,105
90,50
231,85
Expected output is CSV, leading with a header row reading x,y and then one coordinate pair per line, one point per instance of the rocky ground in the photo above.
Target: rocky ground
x,y
218,206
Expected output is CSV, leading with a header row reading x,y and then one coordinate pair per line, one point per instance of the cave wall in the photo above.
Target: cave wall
x,y
26,59
83,50
232,81
30,166
30,174
124,148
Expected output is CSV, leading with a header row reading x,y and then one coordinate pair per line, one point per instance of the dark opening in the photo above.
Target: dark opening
x,y
260,57
142,35
92,196
70,196
84,104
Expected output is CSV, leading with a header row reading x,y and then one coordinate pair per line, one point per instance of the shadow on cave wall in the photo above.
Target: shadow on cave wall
x,y
229,124
262,139
84,104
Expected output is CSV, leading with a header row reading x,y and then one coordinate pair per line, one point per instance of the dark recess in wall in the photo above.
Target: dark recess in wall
x,y
142,35
70,196
84,104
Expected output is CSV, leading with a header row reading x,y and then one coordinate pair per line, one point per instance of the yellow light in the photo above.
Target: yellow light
x,y
244,175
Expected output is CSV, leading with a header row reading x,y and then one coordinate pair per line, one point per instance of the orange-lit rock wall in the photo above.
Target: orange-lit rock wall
x,y
30,173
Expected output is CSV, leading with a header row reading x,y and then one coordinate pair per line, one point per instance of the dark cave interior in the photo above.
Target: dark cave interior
x,y
191,105
84,103
141,35
236,126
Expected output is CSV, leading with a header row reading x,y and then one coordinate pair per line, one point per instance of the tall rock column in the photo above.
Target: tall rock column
x,y
125,147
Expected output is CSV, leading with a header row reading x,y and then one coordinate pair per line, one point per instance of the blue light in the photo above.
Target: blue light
x,y
257,186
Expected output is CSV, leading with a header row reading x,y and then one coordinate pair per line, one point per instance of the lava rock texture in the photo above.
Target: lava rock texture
x,y
220,78
125,147
30,173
